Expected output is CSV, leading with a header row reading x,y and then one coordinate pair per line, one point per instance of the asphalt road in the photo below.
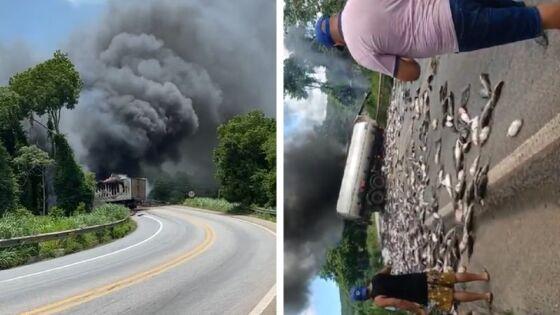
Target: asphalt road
x,y
178,261
517,234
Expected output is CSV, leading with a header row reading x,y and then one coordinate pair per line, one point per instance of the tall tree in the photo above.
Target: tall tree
x,y
298,78
241,161
32,162
304,12
49,87
12,112
8,183
70,183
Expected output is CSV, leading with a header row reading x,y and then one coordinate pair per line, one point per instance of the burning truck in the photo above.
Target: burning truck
x,y
362,190
121,189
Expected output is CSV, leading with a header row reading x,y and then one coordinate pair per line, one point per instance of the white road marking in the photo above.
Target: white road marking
x,y
266,300
93,258
257,225
271,294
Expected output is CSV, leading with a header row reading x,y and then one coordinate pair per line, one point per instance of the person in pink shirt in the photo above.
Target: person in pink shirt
x,y
386,35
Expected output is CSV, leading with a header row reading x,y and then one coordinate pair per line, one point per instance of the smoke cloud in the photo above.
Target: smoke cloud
x,y
160,76
14,57
313,172
343,70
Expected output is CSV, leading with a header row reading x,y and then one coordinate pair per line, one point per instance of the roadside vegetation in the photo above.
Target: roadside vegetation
x,y
245,160
225,206
385,100
42,187
21,222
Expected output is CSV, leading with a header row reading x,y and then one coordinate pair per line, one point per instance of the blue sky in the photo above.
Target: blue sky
x,y
44,25
325,298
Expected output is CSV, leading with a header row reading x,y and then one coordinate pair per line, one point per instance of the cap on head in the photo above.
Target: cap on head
x,y
323,32
358,294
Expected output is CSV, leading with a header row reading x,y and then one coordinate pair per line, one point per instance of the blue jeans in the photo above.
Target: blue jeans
x,y
486,23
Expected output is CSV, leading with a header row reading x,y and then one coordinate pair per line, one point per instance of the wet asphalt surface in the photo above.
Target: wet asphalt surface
x,y
517,235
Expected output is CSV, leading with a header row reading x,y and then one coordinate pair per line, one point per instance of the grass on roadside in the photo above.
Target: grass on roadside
x,y
371,103
21,223
26,225
225,206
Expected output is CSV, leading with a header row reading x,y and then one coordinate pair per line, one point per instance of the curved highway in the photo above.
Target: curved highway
x,y
178,261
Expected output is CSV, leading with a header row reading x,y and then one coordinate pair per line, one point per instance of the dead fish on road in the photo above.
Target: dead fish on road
x,y
486,114
443,92
465,95
458,155
486,89
474,166
460,186
514,128
438,152
481,183
447,184
464,115
474,130
484,134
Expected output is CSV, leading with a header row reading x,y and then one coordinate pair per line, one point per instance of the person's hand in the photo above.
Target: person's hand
x,y
422,311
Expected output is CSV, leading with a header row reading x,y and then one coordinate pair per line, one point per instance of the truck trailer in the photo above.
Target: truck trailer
x,y
121,189
362,190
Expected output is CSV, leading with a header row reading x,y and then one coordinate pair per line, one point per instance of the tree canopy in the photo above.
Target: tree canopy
x,y
8,184
245,159
49,87
70,182
298,78
298,12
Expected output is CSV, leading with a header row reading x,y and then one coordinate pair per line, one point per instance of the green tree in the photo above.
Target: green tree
x,y
304,12
70,183
298,79
269,147
8,183
11,113
49,87
172,189
243,166
32,162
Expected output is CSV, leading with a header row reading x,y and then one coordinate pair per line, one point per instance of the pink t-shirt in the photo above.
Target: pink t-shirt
x,y
376,32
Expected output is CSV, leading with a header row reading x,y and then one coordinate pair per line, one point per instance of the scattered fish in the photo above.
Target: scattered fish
x,y
486,89
474,166
486,114
484,134
465,95
514,128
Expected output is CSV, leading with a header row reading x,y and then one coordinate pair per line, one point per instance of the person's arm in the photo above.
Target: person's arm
x,y
407,69
384,301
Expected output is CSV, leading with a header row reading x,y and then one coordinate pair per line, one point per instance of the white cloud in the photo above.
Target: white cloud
x,y
304,115
79,2
310,310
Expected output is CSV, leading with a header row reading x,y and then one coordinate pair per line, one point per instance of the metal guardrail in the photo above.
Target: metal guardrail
x,y
23,240
264,211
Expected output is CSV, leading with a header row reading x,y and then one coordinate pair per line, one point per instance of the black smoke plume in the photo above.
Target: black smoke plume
x,y
313,173
160,76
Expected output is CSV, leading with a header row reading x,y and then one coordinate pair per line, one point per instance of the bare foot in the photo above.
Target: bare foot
x,y
487,275
489,297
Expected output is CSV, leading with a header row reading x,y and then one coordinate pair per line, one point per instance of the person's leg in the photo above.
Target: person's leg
x,y
501,3
464,296
550,15
480,26
467,277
